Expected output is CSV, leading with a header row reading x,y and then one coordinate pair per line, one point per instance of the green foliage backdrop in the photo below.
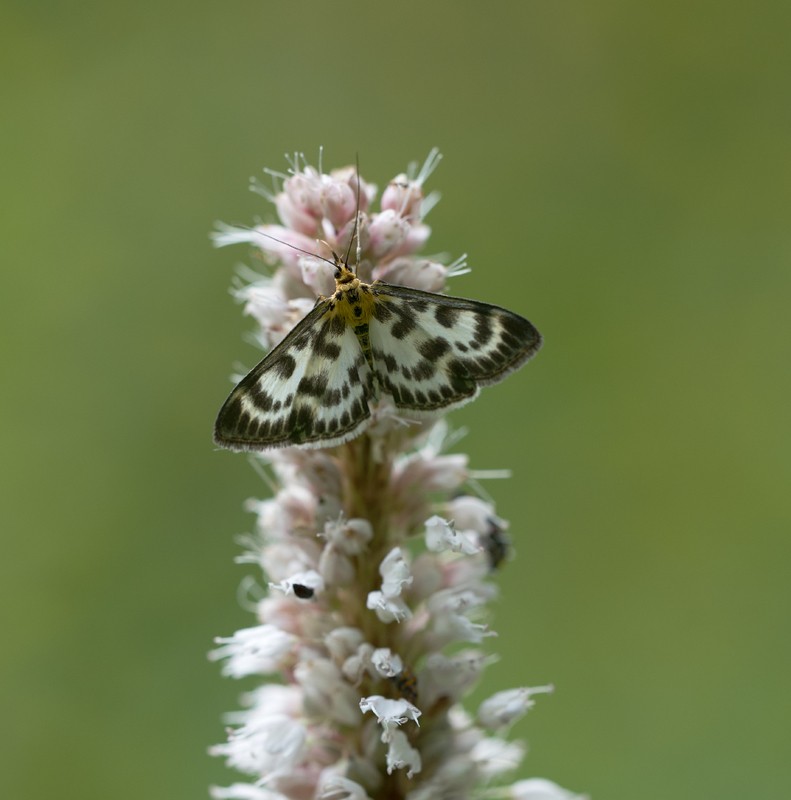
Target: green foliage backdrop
x,y
616,171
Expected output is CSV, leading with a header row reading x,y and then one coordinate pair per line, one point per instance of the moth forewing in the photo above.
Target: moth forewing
x,y
312,390
433,352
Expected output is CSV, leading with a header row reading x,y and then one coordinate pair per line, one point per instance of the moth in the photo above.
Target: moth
x,y
428,352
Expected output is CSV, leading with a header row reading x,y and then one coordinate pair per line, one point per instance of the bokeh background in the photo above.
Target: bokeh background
x,y
619,172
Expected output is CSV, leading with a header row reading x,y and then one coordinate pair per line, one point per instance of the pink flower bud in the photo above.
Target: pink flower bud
x,y
404,197
338,202
294,216
417,273
349,176
388,232
304,191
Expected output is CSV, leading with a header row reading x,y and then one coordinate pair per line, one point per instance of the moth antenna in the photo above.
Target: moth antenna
x,y
359,252
356,231
292,246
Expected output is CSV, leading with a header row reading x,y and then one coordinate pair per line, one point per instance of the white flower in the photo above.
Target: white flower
x,y
504,708
356,665
270,747
423,472
302,584
390,713
459,599
293,509
351,536
345,539
472,513
266,700
496,756
342,642
387,604
395,573
401,755
441,535
386,662
260,650
450,677
388,609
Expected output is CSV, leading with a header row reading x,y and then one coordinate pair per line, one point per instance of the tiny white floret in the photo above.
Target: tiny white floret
x,y
442,535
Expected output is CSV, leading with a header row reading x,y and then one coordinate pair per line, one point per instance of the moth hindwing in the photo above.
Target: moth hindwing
x,y
428,352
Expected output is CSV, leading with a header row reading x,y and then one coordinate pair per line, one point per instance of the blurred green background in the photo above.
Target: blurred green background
x,y
619,172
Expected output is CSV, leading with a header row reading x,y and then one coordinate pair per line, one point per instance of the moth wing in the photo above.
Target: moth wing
x,y
434,352
312,390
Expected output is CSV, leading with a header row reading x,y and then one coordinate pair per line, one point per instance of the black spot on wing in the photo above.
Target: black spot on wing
x,y
326,348
300,423
405,397
260,398
313,385
423,370
405,321
382,312
387,360
325,343
301,340
404,326
359,409
252,427
482,366
459,367
284,365
446,315
483,331
333,326
434,349
276,427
